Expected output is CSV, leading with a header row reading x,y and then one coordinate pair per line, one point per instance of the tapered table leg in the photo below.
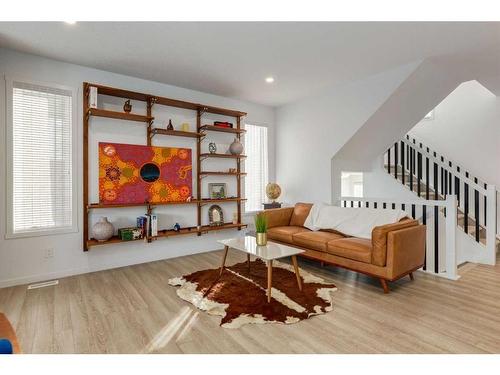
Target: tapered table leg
x,y
269,279
248,262
297,275
226,249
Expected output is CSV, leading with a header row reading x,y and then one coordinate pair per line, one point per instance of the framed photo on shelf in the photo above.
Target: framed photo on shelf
x,y
217,190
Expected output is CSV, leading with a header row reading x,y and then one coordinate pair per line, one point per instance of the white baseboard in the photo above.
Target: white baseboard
x,y
43,277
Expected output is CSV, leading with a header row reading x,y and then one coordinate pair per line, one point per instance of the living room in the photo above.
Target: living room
x,y
193,187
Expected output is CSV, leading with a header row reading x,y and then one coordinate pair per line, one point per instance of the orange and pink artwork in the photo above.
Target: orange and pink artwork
x,y
141,174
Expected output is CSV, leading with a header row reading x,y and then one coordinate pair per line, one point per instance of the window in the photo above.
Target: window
x,y
352,184
41,196
256,166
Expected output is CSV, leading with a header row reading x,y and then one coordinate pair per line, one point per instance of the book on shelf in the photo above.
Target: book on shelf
x,y
223,124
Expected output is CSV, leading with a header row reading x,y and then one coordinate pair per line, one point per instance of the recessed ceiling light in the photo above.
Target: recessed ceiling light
x,y
269,79
70,22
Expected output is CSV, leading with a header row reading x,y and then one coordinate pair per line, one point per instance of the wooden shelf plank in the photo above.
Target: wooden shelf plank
x,y
208,228
224,156
167,233
209,173
221,111
111,91
119,115
176,133
221,129
222,200
99,205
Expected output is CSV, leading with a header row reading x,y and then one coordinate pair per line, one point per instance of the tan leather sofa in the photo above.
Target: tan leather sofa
x,y
395,250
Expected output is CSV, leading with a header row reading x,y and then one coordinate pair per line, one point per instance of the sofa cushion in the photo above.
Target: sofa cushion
x,y
284,234
379,239
314,240
359,249
300,213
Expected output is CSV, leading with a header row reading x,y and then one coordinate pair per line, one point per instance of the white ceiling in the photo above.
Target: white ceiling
x,y
232,59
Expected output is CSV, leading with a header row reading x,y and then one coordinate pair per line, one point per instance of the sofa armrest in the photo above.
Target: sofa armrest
x,y
278,217
405,250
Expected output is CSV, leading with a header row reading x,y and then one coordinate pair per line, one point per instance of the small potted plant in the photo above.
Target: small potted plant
x,y
261,229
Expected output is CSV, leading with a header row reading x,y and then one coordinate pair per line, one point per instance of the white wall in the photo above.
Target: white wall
x,y
466,130
312,130
22,260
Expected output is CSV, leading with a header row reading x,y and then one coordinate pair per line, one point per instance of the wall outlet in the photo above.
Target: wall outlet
x,y
49,253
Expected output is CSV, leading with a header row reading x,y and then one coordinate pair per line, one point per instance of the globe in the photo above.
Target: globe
x,y
273,191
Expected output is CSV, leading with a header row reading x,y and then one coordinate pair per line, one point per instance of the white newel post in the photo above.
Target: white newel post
x,y
451,233
491,224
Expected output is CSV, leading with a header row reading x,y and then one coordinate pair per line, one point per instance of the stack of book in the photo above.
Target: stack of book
x,y
148,225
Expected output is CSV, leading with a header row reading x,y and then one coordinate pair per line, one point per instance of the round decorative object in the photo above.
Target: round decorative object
x,y
103,230
273,191
177,227
236,147
150,172
212,147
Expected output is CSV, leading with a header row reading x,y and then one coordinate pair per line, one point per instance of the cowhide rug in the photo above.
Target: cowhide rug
x,y
240,297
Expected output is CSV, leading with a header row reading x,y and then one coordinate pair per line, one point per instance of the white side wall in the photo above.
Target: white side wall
x,y
22,260
312,130
466,130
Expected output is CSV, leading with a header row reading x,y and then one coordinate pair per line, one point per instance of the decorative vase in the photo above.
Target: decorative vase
x,y
170,126
261,239
103,230
236,147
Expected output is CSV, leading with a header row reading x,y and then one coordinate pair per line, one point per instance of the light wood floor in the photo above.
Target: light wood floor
x,y
133,310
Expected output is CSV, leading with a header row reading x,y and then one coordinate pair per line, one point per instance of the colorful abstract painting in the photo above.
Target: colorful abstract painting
x,y
139,174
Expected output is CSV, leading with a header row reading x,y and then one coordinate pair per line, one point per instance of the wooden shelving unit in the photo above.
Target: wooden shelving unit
x,y
148,118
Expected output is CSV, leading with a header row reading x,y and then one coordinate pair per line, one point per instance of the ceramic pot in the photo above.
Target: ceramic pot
x,y
236,147
261,239
103,230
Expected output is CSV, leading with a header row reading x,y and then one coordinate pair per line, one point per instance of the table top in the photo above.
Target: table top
x,y
272,250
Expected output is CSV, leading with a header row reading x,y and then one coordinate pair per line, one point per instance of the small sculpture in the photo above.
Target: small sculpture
x,y
127,107
170,126
212,147
177,227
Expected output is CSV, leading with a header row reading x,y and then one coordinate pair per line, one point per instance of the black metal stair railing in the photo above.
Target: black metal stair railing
x,y
424,173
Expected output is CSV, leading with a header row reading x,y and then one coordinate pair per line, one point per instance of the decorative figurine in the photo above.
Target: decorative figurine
x,y
127,107
232,170
177,227
170,126
212,147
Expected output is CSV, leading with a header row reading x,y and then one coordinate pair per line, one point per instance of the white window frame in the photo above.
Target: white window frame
x,y
9,157
246,212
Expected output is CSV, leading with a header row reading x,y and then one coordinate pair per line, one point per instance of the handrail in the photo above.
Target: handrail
x,y
421,201
450,230
443,165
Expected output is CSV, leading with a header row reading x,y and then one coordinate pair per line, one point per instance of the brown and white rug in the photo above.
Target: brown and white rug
x,y
240,297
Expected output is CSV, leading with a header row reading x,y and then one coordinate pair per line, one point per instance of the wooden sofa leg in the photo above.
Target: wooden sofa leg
x,y
384,284
411,276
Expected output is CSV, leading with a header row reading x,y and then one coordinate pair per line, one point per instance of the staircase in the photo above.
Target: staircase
x,y
431,176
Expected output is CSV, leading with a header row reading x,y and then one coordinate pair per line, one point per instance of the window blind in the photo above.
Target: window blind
x,y
41,158
256,166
